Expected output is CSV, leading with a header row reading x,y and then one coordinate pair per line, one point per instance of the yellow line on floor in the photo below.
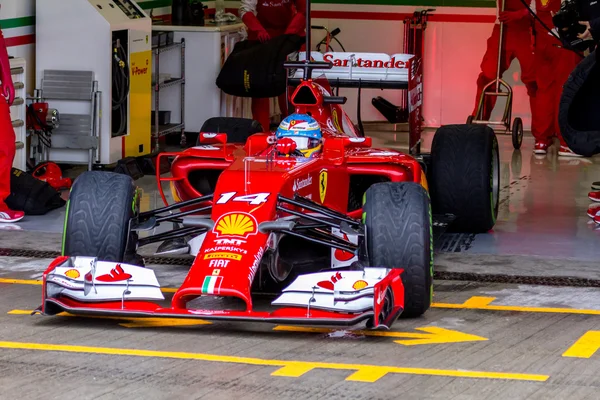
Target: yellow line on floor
x,y
483,303
362,372
585,347
474,303
20,281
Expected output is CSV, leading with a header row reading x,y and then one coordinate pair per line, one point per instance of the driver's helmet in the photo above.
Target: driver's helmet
x,y
304,130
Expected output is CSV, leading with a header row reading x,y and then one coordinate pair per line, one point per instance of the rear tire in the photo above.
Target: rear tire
x,y
397,217
100,207
465,176
238,130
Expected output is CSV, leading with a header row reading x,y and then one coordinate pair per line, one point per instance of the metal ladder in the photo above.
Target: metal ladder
x,y
76,131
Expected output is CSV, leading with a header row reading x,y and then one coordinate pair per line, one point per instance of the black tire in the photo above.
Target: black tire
x,y
470,119
517,133
578,116
97,218
238,130
465,176
397,217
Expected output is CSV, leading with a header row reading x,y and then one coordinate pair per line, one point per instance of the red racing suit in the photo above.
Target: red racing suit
x,y
7,133
266,19
516,44
553,65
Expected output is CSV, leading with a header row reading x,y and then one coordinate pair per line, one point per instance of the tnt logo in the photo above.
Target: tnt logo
x,y
229,242
218,263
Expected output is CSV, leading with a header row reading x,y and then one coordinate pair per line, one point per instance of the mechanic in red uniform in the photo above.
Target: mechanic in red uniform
x,y
517,44
266,19
7,135
553,64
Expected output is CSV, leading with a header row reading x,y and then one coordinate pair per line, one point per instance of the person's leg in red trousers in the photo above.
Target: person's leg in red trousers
x,y
7,155
489,66
523,52
553,66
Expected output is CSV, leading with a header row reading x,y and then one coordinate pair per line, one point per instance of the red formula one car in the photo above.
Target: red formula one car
x,y
343,238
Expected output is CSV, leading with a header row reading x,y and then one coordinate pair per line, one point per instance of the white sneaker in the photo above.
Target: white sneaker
x,y
567,152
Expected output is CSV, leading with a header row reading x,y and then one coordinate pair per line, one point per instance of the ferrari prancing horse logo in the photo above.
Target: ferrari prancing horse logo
x,y
323,185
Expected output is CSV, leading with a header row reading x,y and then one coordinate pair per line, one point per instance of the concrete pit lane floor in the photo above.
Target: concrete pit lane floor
x,y
516,315
478,341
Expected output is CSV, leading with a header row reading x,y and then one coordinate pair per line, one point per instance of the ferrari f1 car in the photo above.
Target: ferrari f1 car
x,y
342,238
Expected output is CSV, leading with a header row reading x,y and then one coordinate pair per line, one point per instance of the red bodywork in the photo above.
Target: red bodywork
x,y
250,178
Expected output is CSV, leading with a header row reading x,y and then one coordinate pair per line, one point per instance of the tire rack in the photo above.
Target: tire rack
x,y
159,131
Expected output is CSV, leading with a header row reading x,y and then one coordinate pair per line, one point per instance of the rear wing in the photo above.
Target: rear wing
x,y
375,71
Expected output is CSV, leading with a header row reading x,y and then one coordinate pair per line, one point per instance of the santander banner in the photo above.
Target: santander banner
x,y
347,65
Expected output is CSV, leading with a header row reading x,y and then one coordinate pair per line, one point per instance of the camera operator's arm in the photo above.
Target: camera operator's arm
x,y
592,30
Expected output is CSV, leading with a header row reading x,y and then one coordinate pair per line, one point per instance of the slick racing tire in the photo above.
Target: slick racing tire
x,y
465,176
238,130
99,209
578,116
397,218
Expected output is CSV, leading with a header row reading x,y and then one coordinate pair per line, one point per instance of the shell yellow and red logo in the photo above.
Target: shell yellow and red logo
x,y
235,224
72,273
358,285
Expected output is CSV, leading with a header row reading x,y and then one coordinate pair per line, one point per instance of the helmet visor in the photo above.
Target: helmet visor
x,y
304,143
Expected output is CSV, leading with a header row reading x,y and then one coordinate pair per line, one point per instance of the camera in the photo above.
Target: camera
x,y
566,21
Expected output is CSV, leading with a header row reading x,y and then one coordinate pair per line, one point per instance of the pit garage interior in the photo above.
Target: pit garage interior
x,y
515,311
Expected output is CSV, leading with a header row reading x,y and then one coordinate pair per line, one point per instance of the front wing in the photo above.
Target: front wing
x,y
87,287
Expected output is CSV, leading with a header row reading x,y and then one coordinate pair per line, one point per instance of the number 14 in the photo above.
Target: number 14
x,y
253,199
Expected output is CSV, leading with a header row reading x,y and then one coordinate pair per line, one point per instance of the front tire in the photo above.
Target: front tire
x,y
100,207
397,217
465,176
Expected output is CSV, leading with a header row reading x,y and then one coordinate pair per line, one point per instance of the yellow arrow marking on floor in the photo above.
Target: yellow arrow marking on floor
x,y
432,335
361,372
133,322
585,347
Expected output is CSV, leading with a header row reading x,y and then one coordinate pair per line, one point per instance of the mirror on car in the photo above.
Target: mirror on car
x,y
213,138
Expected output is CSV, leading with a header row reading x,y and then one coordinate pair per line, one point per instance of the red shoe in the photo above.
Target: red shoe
x,y
567,152
541,147
594,196
593,210
597,219
8,216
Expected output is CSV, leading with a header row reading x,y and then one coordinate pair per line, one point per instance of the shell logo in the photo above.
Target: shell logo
x,y
72,273
235,224
359,285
